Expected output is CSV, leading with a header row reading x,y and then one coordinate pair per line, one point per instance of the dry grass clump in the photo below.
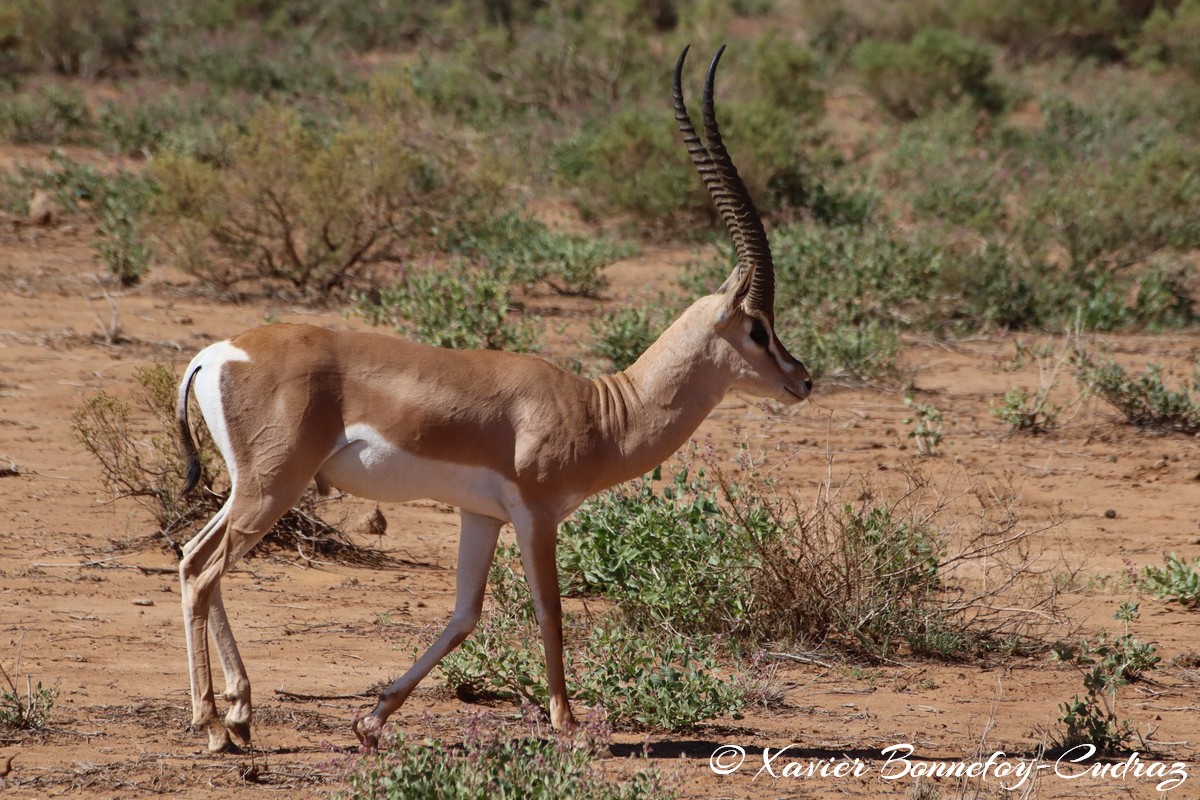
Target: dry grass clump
x,y
149,468
930,568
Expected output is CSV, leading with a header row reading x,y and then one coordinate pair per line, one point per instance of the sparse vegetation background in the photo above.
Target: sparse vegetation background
x,y
932,173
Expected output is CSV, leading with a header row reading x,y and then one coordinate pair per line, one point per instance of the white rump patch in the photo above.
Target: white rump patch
x,y
207,387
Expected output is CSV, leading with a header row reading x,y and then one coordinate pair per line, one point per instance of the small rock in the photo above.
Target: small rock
x,y
143,601
1110,514
373,523
42,208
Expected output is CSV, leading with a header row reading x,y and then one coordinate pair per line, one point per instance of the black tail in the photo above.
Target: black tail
x,y
186,443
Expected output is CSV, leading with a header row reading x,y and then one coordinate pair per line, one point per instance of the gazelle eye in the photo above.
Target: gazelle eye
x,y
758,334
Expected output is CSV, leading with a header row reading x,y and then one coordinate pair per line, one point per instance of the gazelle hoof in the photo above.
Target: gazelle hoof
x,y
367,729
239,732
218,739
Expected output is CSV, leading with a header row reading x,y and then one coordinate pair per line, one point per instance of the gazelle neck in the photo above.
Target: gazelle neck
x,y
647,412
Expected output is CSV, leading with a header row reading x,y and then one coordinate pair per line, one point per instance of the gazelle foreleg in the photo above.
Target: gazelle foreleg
x,y
476,549
537,537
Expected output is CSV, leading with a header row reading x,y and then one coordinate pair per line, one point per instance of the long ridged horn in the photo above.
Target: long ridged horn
x,y
703,162
755,250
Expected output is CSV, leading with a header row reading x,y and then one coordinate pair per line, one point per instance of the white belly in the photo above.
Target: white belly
x,y
367,465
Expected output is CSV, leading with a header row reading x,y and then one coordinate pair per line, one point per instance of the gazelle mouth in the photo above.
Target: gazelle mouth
x,y
796,394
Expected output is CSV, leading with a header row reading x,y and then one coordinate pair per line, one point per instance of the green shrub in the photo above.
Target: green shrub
x,y
495,761
28,710
532,253
463,307
555,59
85,39
74,186
784,75
1025,412
667,557
1173,36
1084,28
948,177
142,122
861,351
656,680
121,241
1144,399
51,115
117,204
1176,580
285,60
622,336
631,163
938,67
644,677
1106,665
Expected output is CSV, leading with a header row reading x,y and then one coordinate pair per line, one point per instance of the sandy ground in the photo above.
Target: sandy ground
x,y
89,602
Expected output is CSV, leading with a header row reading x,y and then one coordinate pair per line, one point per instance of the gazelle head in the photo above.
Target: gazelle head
x,y
743,309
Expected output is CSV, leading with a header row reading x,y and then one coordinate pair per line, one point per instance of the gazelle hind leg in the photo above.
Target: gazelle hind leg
x,y
197,553
476,549
243,523
237,682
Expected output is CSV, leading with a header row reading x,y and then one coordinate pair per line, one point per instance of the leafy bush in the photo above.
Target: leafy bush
x,y
630,163
644,677
28,711
664,557
116,203
1176,580
121,241
51,115
937,67
85,39
622,336
1025,412
1106,665
75,187
290,59
548,61
949,177
1080,27
1173,36
1126,212
1145,399
147,119
495,761
740,558
312,207
532,253
463,307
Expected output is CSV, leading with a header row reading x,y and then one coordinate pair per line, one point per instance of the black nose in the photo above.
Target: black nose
x,y
808,384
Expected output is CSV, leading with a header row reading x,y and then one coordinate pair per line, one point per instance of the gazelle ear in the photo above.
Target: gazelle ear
x,y
738,284
734,291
